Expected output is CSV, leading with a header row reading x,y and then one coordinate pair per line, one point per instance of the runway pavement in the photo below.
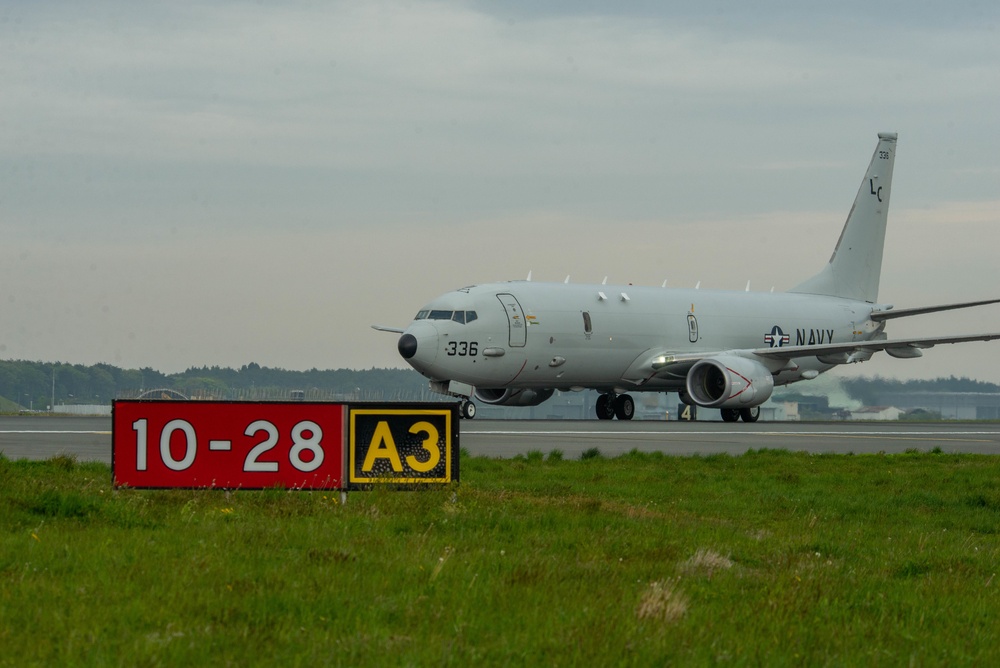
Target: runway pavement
x,y
89,438
42,437
507,439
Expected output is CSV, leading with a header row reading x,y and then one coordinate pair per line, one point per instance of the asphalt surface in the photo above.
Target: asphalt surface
x,y
507,439
89,438
42,437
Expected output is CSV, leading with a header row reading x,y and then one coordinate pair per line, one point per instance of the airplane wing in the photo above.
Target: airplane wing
x,y
383,328
887,314
664,364
857,351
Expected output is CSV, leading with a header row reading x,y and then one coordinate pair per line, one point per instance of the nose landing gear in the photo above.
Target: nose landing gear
x,y
467,410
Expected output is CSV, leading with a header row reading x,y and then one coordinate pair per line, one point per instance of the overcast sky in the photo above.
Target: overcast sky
x,y
218,183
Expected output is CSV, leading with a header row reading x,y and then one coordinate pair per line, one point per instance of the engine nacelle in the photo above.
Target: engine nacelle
x,y
516,397
728,381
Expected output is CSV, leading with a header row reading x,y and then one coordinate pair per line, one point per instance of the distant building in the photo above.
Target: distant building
x,y
949,405
779,411
82,409
877,413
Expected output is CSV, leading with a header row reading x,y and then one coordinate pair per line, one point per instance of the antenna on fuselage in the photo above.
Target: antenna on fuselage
x,y
664,283
529,276
567,279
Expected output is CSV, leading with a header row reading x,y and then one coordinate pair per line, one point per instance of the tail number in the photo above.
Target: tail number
x,y
462,348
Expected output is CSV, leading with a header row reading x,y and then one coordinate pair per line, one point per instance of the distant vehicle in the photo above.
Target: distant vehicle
x,y
515,343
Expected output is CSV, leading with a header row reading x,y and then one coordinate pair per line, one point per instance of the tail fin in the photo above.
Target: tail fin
x,y
856,265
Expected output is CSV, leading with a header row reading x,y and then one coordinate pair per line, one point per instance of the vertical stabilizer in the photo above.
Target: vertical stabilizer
x,y
855,267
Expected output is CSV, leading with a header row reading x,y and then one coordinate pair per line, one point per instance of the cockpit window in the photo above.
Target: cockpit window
x,y
461,317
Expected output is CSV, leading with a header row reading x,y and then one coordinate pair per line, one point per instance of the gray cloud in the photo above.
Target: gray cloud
x,y
221,183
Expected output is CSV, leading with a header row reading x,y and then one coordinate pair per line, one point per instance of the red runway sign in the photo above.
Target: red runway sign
x,y
228,444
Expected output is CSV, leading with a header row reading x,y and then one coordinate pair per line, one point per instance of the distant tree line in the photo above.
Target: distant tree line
x,y
35,384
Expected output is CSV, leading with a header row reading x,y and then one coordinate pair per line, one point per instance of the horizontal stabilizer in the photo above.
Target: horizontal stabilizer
x,y
880,316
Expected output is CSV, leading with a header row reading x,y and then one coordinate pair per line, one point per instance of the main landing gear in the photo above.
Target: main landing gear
x,y
621,406
734,414
615,406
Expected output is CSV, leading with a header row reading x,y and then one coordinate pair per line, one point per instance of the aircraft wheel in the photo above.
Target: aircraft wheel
x,y
467,410
730,414
624,407
750,414
605,407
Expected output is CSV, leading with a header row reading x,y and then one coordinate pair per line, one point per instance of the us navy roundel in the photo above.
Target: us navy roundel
x,y
776,338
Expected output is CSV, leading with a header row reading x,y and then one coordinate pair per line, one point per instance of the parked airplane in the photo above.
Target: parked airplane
x,y
515,343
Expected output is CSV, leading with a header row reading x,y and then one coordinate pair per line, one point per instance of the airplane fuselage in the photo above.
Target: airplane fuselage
x,y
565,336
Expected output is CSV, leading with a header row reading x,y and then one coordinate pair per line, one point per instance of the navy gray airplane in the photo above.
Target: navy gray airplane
x,y
515,343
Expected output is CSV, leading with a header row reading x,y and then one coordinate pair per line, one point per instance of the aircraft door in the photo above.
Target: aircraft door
x,y
515,320
692,328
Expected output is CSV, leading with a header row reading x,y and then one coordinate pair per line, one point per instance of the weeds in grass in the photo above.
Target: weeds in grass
x,y
56,503
662,601
535,456
63,462
706,562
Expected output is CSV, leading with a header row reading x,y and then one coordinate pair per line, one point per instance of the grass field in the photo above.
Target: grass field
x,y
768,558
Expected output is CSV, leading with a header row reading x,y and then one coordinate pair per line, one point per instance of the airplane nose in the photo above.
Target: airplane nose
x,y
407,346
418,345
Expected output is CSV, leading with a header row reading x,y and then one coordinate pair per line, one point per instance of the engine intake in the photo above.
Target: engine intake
x,y
728,381
507,397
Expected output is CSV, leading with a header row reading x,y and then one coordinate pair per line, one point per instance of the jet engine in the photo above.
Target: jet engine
x,y
507,397
728,381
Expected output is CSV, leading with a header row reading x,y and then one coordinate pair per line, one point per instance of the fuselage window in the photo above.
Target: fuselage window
x,y
470,316
459,317
440,315
588,326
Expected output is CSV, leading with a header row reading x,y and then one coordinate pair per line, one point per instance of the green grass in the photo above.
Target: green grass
x,y
771,557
